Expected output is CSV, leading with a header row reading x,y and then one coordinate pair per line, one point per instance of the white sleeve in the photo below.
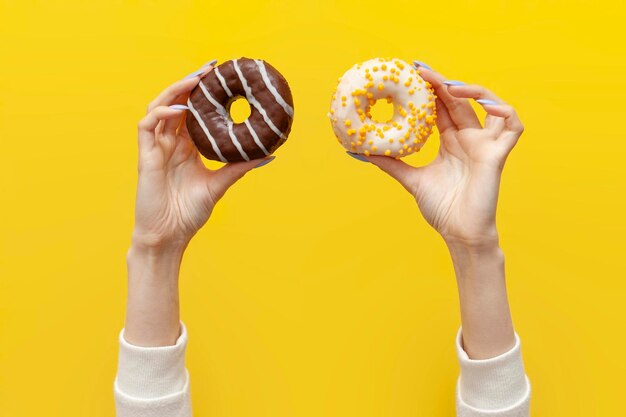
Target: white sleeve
x,y
152,381
495,387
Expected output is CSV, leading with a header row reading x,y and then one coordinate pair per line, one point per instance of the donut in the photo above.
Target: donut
x,y
399,83
210,125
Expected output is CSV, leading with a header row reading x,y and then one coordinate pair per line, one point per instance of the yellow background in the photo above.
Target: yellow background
x,y
316,289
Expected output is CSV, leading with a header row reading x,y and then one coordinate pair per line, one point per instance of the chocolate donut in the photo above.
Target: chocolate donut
x,y
209,123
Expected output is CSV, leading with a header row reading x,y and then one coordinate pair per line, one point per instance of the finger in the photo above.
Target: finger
x,y
147,126
170,125
397,169
460,110
477,92
443,120
173,93
222,179
513,127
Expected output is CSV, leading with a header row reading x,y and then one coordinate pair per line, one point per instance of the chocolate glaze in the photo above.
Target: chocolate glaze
x,y
217,123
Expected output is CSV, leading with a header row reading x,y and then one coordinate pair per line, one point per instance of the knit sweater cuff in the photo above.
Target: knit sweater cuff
x,y
152,372
497,383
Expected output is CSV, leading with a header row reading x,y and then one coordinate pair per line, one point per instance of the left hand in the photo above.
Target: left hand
x,y
176,193
458,192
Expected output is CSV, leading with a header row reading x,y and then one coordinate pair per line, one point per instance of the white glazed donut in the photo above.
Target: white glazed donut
x,y
383,78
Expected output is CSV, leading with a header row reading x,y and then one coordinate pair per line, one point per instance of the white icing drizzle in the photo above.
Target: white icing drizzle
x,y
253,101
216,149
268,83
222,82
255,137
229,122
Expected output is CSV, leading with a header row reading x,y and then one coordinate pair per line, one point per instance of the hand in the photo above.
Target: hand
x,y
175,196
176,193
458,192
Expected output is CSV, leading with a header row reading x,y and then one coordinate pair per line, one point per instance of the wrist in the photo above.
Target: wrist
x,y
484,242
154,262
156,243
471,261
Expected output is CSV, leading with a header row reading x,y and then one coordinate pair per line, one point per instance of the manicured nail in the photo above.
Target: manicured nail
x,y
265,161
421,64
211,62
486,102
357,157
179,107
195,74
453,82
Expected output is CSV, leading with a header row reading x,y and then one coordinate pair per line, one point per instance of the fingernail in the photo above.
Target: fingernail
x,y
194,74
211,62
453,82
421,64
179,107
357,157
484,102
265,162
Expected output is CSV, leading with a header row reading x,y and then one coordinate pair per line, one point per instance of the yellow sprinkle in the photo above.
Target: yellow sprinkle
x,y
347,122
387,152
401,152
383,67
431,105
351,132
332,111
359,143
374,68
343,104
416,141
381,86
370,142
357,102
390,140
367,153
343,98
385,77
374,148
386,128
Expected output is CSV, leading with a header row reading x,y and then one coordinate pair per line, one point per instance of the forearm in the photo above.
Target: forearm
x,y
485,314
152,312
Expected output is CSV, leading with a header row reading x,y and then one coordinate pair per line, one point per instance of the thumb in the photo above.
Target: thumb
x,y
397,169
230,173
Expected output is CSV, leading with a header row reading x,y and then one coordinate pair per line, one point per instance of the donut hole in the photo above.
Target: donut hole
x,y
239,110
382,110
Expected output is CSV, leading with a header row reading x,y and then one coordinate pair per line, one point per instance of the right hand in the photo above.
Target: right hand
x,y
176,193
458,192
